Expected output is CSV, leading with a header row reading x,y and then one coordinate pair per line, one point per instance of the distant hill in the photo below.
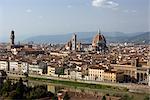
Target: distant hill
x,y
86,37
63,38
142,38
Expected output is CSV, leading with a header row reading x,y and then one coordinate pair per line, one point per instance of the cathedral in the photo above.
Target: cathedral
x,y
99,43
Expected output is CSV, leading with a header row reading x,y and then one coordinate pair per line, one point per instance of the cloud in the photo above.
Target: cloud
x,y
28,10
129,11
104,3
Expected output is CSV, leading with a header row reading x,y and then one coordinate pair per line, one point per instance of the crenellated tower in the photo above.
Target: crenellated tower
x,y
12,38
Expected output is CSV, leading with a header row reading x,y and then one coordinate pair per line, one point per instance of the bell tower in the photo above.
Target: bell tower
x,y
12,38
74,42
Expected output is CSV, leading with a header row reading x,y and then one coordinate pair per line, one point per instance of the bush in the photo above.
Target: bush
x,y
147,97
66,97
103,98
126,97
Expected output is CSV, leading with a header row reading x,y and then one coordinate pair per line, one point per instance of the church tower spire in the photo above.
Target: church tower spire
x,y
99,32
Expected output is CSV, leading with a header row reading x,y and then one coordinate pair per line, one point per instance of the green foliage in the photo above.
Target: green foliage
x,y
126,97
12,95
125,89
19,91
103,98
147,97
20,88
54,97
60,71
117,95
6,88
66,97
78,84
38,92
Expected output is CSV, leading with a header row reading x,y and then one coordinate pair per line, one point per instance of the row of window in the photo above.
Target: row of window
x,y
95,75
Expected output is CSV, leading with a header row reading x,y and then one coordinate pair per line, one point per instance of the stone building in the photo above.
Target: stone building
x,y
99,43
12,38
74,42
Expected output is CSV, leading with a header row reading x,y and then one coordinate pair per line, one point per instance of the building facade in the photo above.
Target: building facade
x,y
96,73
14,66
35,69
4,65
51,70
12,38
99,43
113,76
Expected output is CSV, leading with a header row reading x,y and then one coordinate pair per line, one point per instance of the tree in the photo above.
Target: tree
x,y
66,97
38,92
20,89
26,74
104,98
12,95
126,97
6,88
147,97
54,97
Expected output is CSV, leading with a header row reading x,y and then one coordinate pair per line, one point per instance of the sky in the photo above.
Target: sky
x,y
37,17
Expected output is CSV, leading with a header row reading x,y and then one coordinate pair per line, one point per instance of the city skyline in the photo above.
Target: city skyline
x,y
30,17
75,49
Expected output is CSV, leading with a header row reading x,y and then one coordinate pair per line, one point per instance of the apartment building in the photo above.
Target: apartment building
x,y
35,69
96,73
4,65
51,70
113,76
14,66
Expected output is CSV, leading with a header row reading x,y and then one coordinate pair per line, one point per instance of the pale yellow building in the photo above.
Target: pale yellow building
x,y
99,73
51,88
96,73
132,73
127,69
51,70
113,76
